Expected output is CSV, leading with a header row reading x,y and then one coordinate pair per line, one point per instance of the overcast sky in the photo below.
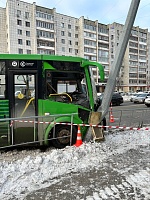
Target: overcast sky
x,y
105,12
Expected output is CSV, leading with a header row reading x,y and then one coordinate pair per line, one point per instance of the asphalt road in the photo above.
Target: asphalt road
x,y
130,115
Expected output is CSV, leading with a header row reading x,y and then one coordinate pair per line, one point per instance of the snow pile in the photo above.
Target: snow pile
x,y
20,177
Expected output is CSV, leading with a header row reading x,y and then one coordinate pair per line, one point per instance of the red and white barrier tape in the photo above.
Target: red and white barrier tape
x,y
90,125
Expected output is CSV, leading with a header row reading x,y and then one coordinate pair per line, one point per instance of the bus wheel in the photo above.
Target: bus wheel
x,y
62,135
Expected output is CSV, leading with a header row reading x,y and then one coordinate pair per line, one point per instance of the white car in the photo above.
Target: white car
x,y
147,102
141,98
135,95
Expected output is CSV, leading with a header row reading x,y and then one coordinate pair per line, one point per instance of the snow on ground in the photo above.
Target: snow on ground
x,y
22,173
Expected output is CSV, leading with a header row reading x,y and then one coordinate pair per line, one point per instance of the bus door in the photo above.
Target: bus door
x,y
22,92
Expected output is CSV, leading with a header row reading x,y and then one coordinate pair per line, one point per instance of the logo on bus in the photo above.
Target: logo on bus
x,y
14,63
22,64
25,64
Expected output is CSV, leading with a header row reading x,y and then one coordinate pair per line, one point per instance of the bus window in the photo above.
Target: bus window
x,y
66,86
24,84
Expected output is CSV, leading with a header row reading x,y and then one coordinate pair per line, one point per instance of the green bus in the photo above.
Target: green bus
x,y
33,86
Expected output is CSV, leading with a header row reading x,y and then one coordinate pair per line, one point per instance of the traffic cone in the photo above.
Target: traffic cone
x,y
79,139
111,118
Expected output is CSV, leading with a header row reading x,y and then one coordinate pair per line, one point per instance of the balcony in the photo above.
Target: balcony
x,y
45,47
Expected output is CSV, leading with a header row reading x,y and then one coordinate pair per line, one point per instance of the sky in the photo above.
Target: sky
x,y
105,12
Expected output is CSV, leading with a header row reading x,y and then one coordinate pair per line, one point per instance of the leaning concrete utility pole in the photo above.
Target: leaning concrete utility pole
x,y
110,86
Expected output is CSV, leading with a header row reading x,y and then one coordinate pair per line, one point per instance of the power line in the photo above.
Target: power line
x,y
107,11
58,3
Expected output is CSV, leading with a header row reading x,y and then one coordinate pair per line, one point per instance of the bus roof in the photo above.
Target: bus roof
x,y
40,57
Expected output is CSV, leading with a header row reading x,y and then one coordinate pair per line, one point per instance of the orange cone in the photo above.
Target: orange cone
x,y
111,118
79,139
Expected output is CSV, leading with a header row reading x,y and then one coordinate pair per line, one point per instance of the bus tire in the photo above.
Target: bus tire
x,y
62,135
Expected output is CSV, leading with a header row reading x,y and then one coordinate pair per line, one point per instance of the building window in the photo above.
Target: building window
x,y
76,51
28,33
76,43
76,28
69,34
103,30
76,35
63,49
62,33
45,34
91,35
63,41
45,25
20,41
70,42
19,32
44,15
62,25
20,51
26,15
70,50
28,51
18,13
19,22
69,26
90,27
27,24
90,43
89,50
46,51
28,42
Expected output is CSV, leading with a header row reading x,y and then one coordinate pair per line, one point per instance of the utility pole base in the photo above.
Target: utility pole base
x,y
97,132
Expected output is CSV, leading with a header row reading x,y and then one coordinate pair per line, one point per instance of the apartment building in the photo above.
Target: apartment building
x,y
3,34
66,29
148,66
133,73
32,29
45,37
94,45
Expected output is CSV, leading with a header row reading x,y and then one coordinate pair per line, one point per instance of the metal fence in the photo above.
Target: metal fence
x,y
130,118
122,118
41,121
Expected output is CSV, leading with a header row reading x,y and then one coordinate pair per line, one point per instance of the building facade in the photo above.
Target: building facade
x,y
32,29
134,70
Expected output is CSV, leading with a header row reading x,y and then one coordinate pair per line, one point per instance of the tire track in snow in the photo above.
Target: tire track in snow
x,y
128,189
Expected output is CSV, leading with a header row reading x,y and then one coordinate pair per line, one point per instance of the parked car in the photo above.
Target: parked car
x,y
141,98
117,99
135,95
147,102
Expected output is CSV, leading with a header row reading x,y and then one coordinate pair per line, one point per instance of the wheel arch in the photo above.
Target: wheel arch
x,y
66,119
